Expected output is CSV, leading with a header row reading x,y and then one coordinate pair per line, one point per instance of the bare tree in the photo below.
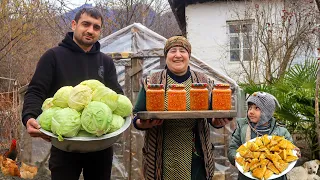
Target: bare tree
x,y
150,13
317,86
24,36
280,32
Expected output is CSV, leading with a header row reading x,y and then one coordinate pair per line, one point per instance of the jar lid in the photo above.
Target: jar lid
x,y
199,85
177,85
155,85
222,85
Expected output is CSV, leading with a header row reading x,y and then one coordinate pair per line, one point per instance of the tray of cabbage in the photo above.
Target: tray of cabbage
x,y
87,117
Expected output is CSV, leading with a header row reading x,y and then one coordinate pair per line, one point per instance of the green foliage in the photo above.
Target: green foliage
x,y
295,92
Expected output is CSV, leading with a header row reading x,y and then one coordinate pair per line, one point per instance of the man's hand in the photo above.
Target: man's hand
x,y
33,128
146,124
220,122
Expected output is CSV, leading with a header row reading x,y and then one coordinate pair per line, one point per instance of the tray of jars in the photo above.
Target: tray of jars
x,y
186,114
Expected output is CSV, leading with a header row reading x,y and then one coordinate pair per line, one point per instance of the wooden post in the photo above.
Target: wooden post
x,y
135,75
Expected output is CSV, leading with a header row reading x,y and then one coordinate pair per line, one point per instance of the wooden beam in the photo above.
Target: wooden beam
x,y
156,52
135,69
122,62
186,114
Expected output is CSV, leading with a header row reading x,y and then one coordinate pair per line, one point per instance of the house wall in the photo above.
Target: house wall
x,y
207,31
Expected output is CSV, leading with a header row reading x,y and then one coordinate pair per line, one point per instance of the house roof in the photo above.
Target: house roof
x,y
178,9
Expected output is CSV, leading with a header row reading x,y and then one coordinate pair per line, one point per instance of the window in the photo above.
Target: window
x,y
240,38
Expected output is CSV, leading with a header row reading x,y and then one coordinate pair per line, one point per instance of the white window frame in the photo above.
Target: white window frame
x,y
240,35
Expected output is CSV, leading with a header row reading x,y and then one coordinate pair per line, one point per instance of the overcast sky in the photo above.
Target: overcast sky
x,y
77,3
72,3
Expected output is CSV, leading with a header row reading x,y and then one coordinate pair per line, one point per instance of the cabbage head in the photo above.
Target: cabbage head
x,y
79,97
46,117
107,96
61,97
116,123
124,106
96,118
47,104
66,123
92,83
83,133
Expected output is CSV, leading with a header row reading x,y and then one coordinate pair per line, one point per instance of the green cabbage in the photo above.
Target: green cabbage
x,y
61,97
47,104
79,97
46,117
83,133
96,118
124,106
107,96
92,83
116,123
66,123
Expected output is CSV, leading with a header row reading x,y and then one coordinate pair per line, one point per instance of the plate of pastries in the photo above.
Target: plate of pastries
x,y
266,157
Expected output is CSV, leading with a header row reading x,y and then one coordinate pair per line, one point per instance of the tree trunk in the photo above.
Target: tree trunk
x,y
317,90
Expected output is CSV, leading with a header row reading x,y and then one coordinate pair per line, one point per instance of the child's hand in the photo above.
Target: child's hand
x,y
298,152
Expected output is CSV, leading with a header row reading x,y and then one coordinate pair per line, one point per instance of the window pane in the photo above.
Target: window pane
x,y
234,43
246,28
247,55
247,41
234,55
234,28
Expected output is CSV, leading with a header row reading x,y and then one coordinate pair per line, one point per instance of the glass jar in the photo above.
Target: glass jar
x,y
221,97
177,100
199,96
155,97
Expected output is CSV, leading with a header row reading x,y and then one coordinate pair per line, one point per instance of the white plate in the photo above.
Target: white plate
x,y
249,175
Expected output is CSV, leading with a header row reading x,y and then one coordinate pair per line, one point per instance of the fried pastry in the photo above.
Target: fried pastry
x,y
268,174
259,172
283,144
283,155
256,155
265,139
273,168
240,160
258,142
281,166
275,148
242,148
246,167
291,158
254,164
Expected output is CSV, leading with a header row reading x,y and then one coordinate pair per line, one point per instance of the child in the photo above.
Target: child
x,y
259,121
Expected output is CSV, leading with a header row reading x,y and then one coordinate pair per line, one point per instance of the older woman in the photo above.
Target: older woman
x,y
176,149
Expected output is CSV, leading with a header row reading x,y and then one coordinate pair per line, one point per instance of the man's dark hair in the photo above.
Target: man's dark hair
x,y
93,12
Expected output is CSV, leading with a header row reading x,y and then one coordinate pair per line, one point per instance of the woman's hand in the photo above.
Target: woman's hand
x,y
220,122
148,123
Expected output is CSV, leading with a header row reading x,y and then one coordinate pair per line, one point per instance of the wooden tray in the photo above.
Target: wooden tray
x,y
186,114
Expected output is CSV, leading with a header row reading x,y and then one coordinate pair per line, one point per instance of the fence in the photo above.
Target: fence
x,y
9,119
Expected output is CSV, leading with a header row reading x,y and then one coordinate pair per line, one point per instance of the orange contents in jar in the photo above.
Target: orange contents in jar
x,y
155,97
221,97
199,96
177,97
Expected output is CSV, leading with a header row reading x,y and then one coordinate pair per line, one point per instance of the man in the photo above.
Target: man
x,y
77,58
